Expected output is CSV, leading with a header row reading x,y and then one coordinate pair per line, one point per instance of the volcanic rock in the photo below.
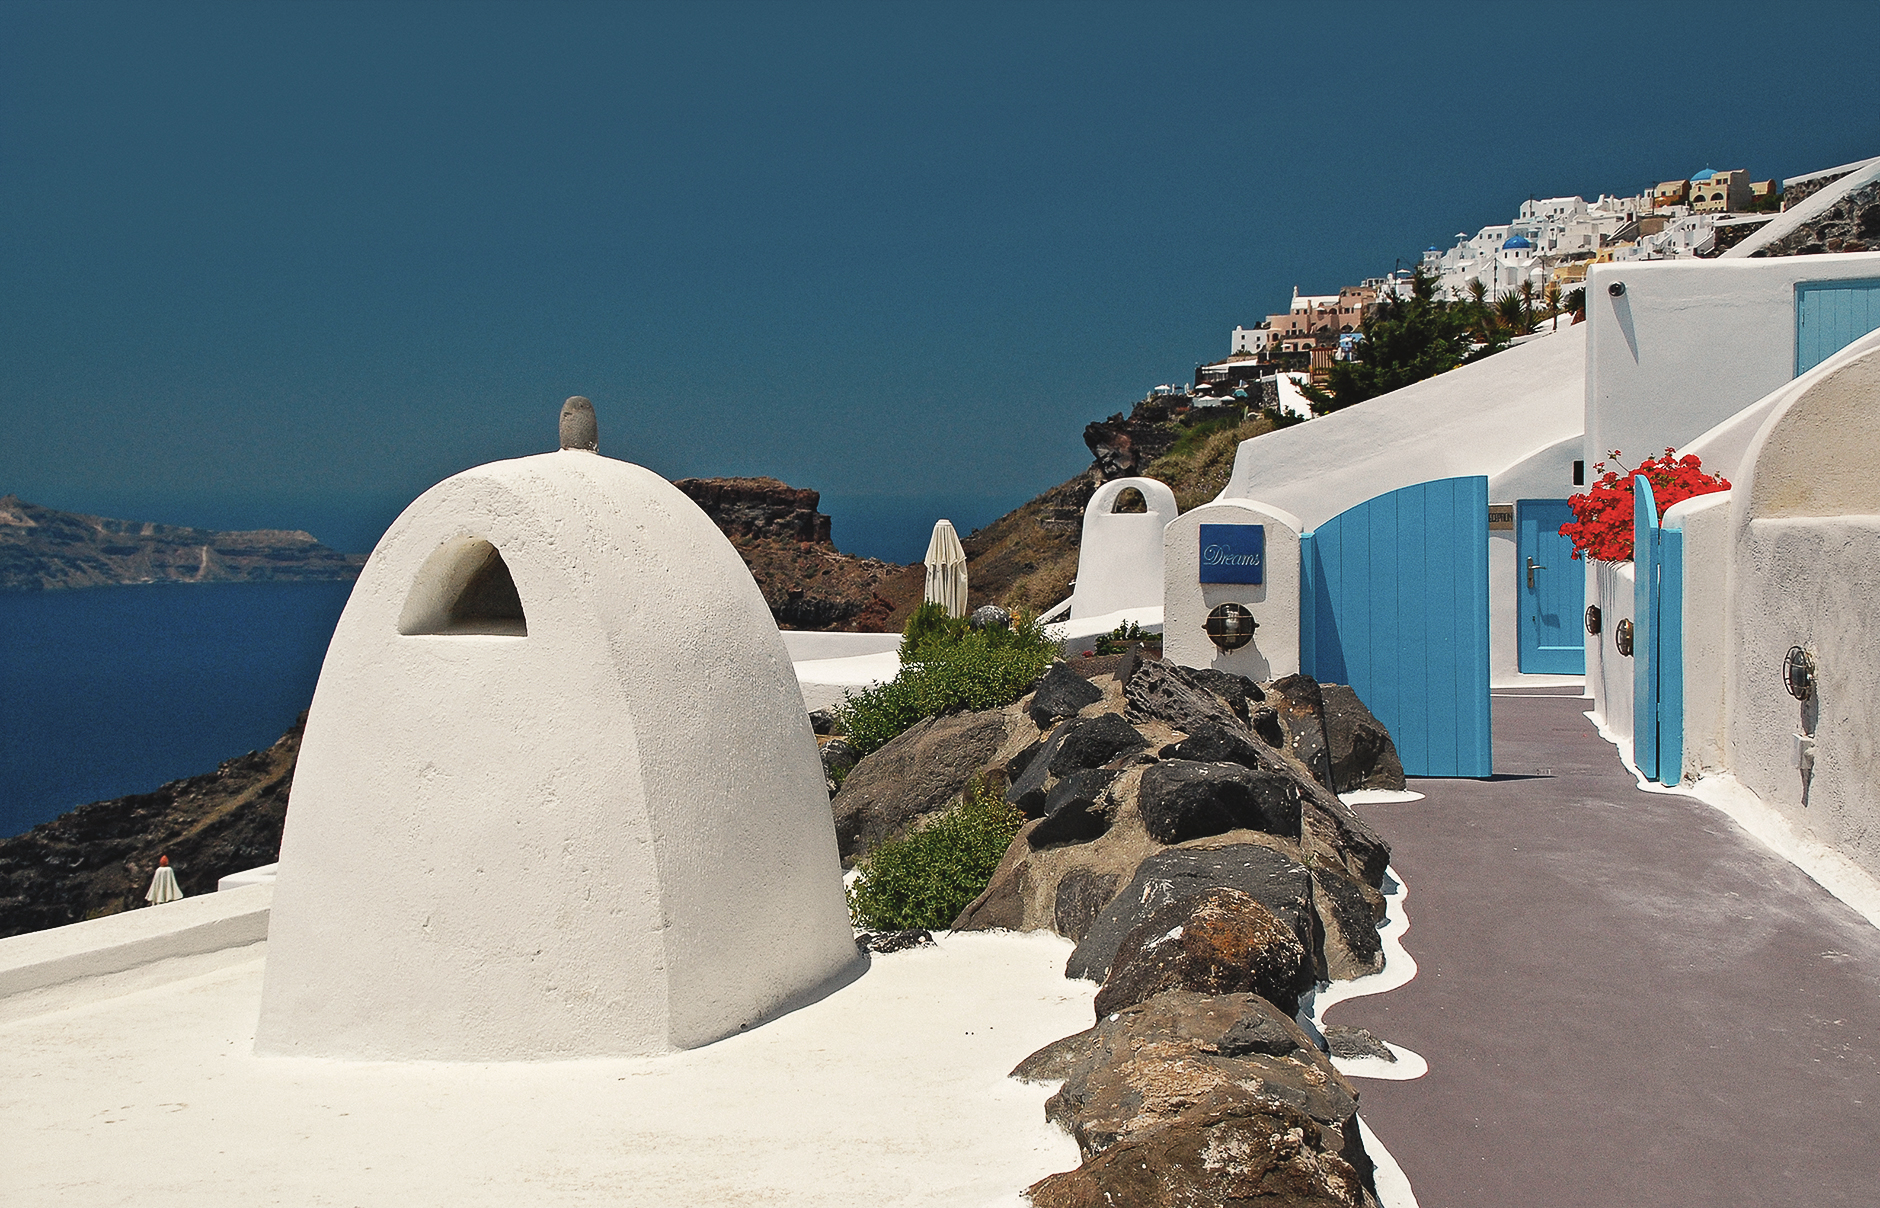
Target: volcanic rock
x,y
1081,896
1363,755
916,773
1073,810
1161,691
1181,799
1270,877
1061,693
1171,1105
1219,942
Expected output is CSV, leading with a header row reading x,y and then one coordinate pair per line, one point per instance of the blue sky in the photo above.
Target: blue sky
x,y
288,264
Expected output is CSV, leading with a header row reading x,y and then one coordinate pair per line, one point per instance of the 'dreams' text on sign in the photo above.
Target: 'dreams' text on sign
x,y
1233,553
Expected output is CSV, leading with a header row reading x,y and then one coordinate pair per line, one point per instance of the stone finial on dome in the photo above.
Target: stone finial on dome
x,y
579,430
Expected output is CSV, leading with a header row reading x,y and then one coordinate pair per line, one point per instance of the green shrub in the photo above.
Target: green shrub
x,y
1113,641
928,876
947,667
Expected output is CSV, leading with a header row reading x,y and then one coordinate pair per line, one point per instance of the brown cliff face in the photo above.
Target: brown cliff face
x,y
784,540
98,859
43,549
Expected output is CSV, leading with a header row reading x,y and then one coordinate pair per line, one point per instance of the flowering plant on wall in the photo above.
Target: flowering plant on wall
x,y
1602,524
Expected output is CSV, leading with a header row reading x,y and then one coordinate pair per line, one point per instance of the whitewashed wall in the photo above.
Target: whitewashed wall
x,y
1274,604
1705,523
1691,343
1609,673
1119,557
1805,519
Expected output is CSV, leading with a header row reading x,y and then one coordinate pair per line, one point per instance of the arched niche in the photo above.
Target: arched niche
x,y
1816,457
464,588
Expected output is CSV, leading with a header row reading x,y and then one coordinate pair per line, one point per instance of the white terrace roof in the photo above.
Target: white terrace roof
x,y
1476,419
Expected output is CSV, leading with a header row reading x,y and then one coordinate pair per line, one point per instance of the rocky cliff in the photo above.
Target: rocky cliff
x,y
42,549
807,582
98,859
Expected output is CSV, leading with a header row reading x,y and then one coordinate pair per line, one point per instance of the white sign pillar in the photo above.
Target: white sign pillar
x,y
1257,570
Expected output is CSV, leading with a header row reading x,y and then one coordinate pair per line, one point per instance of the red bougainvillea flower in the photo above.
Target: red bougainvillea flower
x,y
1602,524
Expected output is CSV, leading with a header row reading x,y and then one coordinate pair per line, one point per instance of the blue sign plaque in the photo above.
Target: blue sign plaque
x,y
1233,553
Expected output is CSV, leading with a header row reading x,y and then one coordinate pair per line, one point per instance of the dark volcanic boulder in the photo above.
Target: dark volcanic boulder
x,y
1239,692
1355,1043
1182,799
1073,812
1349,911
1081,896
914,774
1220,942
1061,693
1091,742
1078,744
1211,743
1161,691
1301,708
1280,884
1264,721
1189,1099
1363,756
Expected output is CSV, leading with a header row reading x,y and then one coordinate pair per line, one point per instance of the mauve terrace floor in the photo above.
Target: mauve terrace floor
x,y
1623,997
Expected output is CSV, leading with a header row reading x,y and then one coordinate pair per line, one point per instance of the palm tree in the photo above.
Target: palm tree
x,y
1512,315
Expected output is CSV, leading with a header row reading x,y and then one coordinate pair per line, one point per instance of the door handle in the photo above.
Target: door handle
x,y
1532,567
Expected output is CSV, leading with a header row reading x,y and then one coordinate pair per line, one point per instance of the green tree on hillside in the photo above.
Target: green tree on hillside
x,y
1405,341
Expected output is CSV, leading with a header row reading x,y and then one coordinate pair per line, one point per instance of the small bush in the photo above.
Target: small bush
x,y
947,667
927,877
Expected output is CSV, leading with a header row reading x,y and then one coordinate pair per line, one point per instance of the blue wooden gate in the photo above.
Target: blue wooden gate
x,y
1657,640
1830,315
1394,602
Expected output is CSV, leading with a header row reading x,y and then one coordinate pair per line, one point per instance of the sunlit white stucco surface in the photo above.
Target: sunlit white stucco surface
x,y
892,1090
1805,571
1119,558
609,836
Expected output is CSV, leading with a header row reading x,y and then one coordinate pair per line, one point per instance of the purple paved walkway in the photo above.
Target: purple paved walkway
x,y
1624,999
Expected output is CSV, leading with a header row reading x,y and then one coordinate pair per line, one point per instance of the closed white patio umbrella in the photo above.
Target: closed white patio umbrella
x,y
946,570
163,886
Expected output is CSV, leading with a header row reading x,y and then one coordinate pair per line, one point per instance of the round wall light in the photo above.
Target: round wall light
x,y
1616,289
1622,637
1798,673
1230,626
1592,619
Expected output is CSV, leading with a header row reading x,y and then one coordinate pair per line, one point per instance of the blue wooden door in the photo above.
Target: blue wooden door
x,y
1830,315
1551,589
1395,603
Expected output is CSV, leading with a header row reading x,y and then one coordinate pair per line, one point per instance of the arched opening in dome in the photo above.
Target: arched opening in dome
x,y
465,588
1129,499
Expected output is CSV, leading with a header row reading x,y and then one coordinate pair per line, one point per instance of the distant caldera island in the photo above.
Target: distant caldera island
x,y
43,549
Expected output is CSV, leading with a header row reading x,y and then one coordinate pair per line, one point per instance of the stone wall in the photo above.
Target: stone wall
x,y
1852,225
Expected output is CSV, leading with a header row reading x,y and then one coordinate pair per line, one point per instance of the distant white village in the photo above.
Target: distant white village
x,y
1542,254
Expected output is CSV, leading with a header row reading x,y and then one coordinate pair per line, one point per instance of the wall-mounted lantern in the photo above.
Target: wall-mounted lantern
x,y
1622,637
1798,673
1230,626
1592,619
1616,289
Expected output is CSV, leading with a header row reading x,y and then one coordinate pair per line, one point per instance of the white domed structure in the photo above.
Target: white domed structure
x,y
558,796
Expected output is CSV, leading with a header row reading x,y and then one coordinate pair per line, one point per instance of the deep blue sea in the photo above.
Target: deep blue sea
x,y
116,690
